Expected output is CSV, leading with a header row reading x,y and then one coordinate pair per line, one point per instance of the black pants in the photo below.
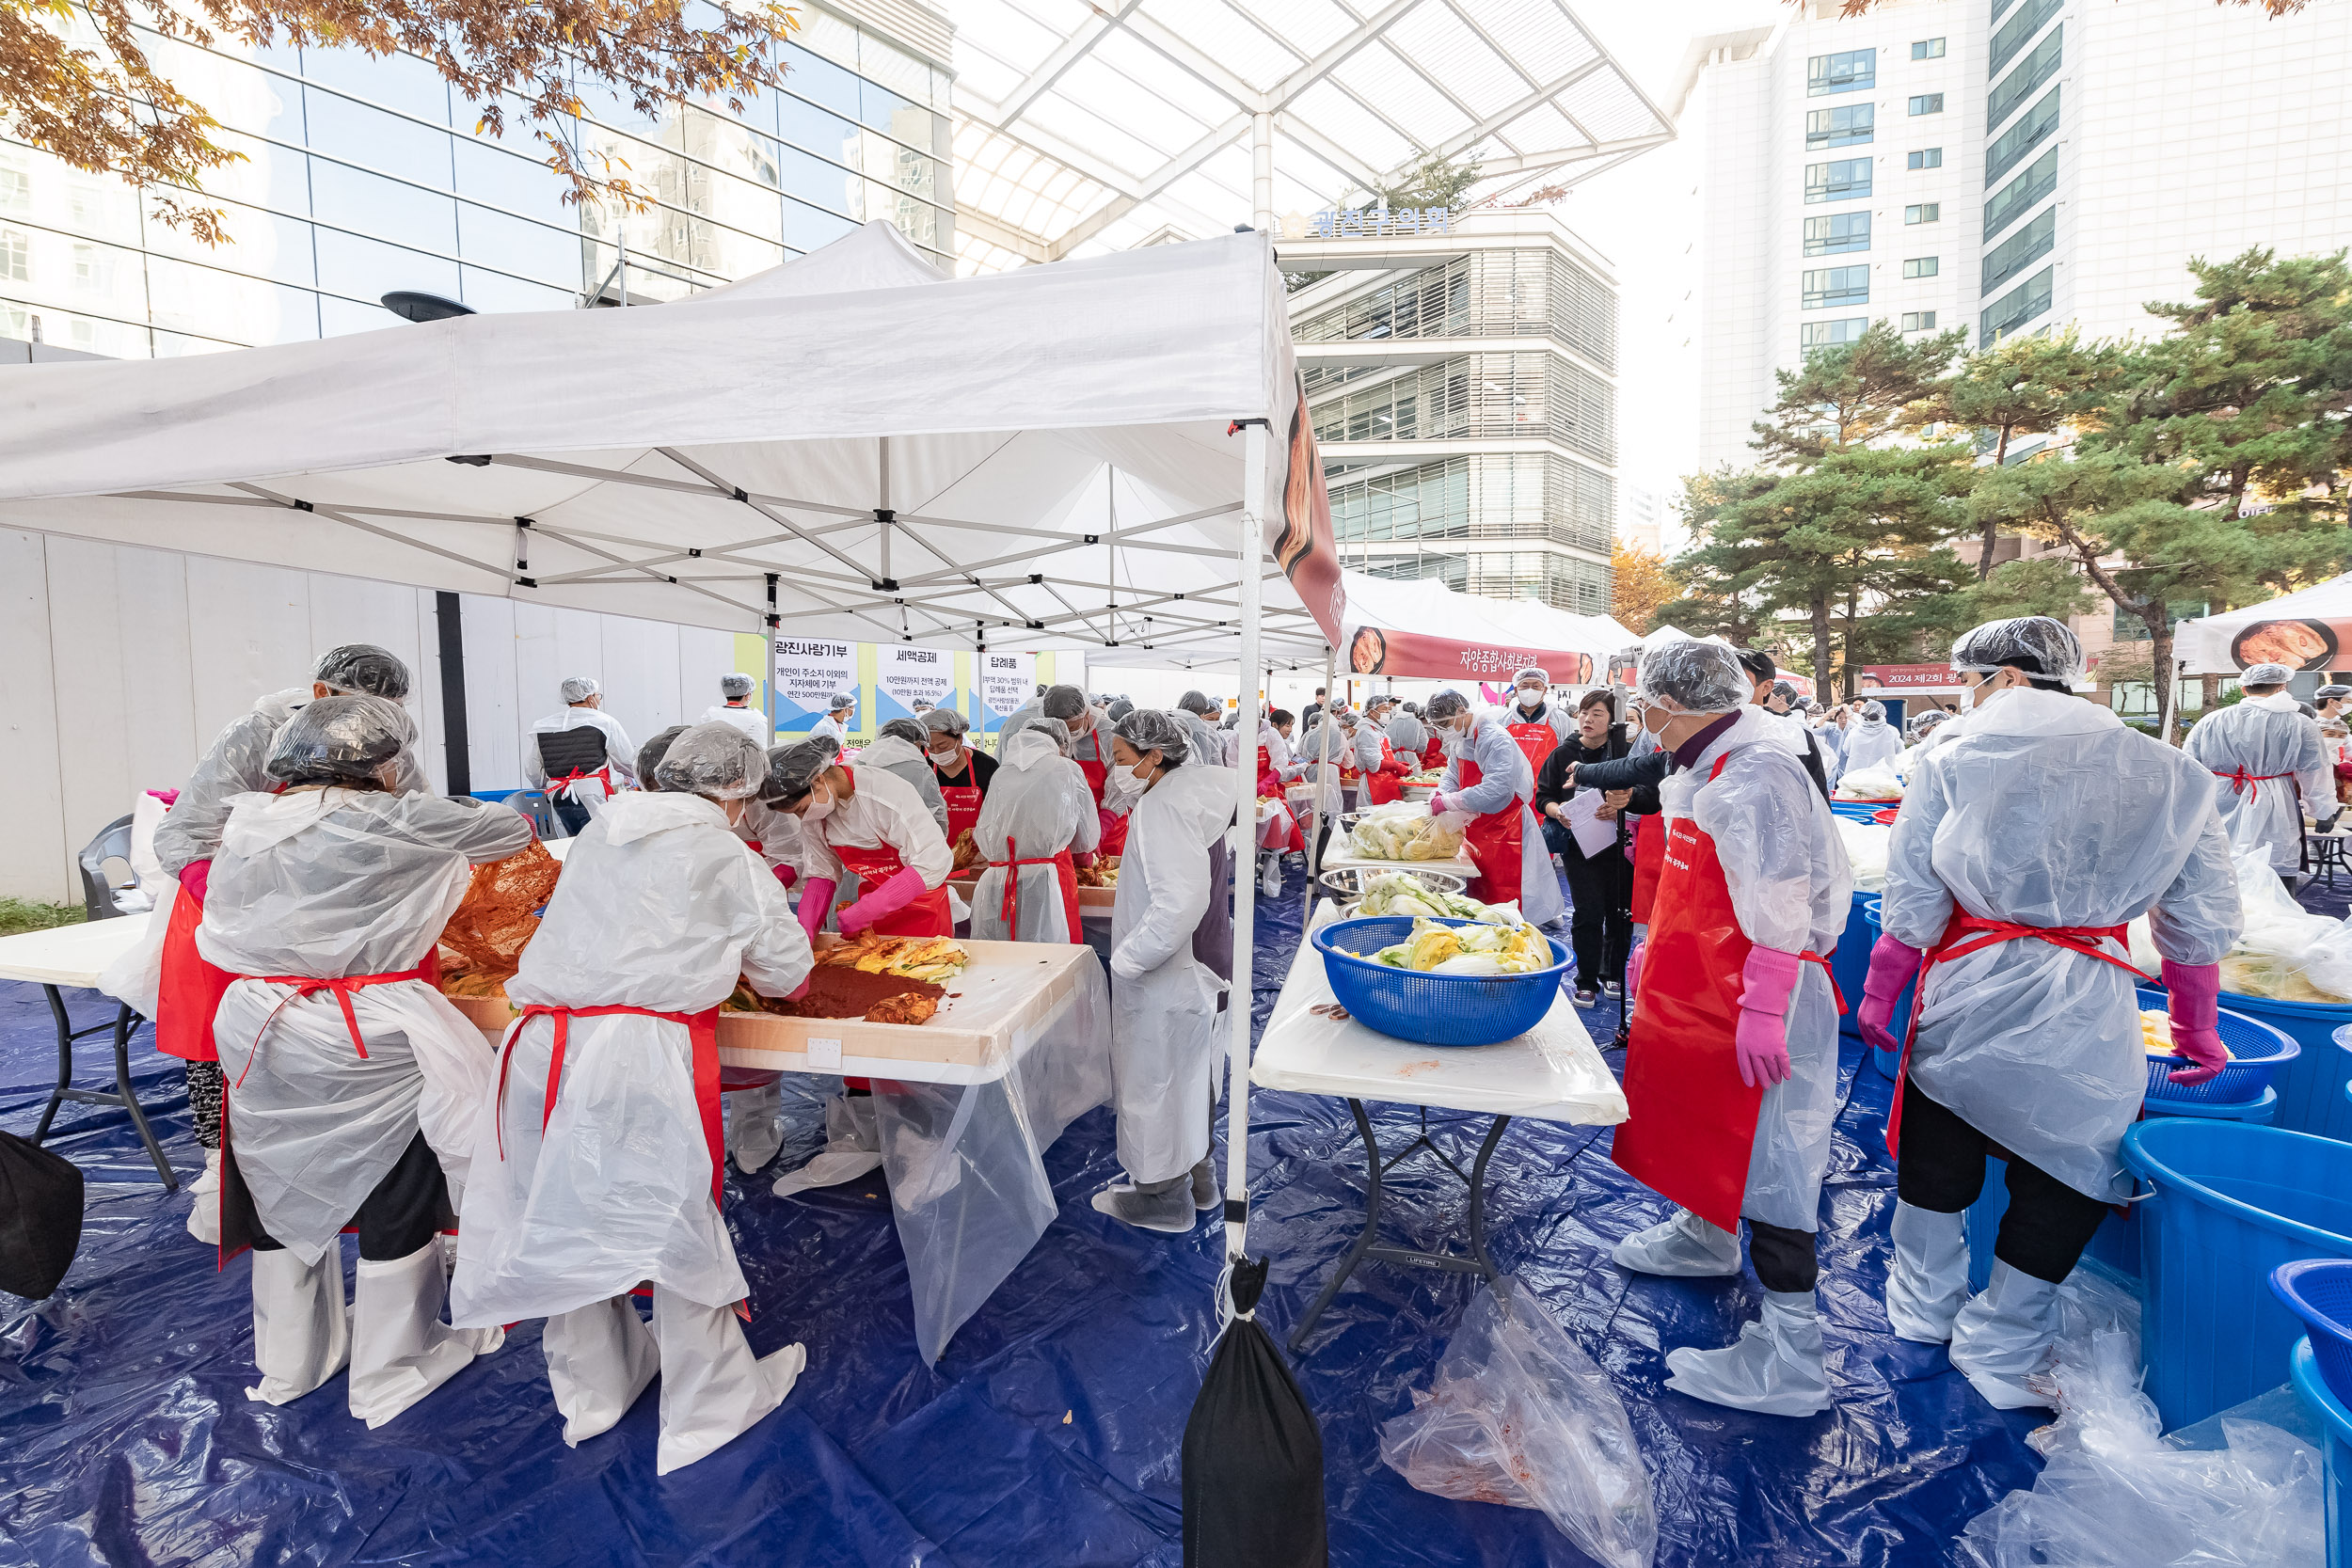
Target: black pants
x,y
1600,915
1785,1259
571,814
1941,1168
408,1209
204,1090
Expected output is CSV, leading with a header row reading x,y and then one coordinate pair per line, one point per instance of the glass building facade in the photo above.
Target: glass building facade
x,y
363,176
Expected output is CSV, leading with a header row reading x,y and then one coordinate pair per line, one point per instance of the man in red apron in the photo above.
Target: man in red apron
x,y
596,1162
188,989
962,773
2024,1036
1489,778
1535,723
1731,1077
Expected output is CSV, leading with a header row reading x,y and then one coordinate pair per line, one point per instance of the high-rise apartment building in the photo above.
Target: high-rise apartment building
x,y
365,176
1462,379
2002,166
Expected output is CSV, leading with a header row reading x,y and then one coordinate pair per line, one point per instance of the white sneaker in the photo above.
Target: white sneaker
x,y
1684,1247
1776,1368
2003,1336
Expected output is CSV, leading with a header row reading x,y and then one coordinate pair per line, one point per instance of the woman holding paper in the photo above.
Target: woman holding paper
x,y
1586,829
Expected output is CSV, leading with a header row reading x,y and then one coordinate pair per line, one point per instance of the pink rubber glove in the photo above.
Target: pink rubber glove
x,y
196,875
1761,1039
815,898
1892,965
788,875
2195,1008
1083,857
1633,969
903,887
1438,806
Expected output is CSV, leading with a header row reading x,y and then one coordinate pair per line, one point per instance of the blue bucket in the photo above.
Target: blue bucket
x,y
1850,965
1432,1009
1862,811
1889,1063
2335,1452
2319,1292
2231,1203
2114,1245
2310,1088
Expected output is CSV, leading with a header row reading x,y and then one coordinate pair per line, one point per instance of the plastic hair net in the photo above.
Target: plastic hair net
x,y
2034,642
714,759
363,667
909,730
1928,721
649,756
1064,702
946,719
1150,729
1196,702
1811,708
578,689
1120,708
1785,692
355,737
2333,693
792,768
840,699
1532,675
2264,674
735,685
1445,704
1339,713
831,746
1873,711
1697,677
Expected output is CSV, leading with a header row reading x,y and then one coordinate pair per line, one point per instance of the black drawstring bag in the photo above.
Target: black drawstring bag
x,y
40,1217
1253,1455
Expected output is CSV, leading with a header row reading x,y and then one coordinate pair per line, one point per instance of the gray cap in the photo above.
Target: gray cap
x,y
2034,643
907,730
2264,674
578,689
1064,702
363,667
1696,677
946,719
1446,703
714,759
352,738
792,768
1150,729
735,685
649,756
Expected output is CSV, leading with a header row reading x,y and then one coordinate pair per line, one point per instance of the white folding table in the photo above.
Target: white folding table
x,y
75,956
1553,1073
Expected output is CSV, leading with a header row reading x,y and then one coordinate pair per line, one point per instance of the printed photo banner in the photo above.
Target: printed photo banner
x,y
1007,681
1384,650
807,676
903,673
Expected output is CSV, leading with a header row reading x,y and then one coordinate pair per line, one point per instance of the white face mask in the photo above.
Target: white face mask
x,y
1125,784
819,806
1531,701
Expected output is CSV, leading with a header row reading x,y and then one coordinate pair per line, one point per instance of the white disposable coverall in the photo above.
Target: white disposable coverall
x,y
907,761
1039,802
620,756
827,724
660,907
2262,737
883,811
2047,810
1407,734
1870,743
1205,747
1504,775
751,720
1163,1049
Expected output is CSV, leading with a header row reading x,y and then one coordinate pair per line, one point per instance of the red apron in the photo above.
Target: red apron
x,y
1380,785
1112,824
1691,1127
964,808
1534,740
1493,843
703,1026
602,775
1270,788
1065,872
189,990
1966,934
927,916
1649,858
1433,754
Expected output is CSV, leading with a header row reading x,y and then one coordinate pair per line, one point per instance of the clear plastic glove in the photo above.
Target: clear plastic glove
x,y
193,876
816,899
2194,1004
1892,965
903,887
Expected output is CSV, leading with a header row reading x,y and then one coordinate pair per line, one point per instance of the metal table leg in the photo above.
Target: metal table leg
x,y
121,1096
1366,1244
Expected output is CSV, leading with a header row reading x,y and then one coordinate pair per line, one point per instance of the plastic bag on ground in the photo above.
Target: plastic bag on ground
x,y
1520,1415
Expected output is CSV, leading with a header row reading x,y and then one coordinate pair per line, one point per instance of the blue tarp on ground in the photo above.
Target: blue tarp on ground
x,y
1048,1434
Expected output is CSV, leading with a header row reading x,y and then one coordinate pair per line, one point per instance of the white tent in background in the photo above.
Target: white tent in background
x,y
2310,629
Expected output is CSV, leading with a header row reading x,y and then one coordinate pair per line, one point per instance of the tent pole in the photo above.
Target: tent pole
x,y
1240,996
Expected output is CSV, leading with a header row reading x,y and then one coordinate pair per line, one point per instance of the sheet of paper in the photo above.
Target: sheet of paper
x,y
1592,833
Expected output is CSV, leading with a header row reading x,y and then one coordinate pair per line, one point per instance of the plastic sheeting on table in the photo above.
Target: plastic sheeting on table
x,y
1047,1435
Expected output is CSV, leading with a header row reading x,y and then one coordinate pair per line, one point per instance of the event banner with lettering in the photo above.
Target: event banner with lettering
x,y
807,674
904,675
1007,681
1371,650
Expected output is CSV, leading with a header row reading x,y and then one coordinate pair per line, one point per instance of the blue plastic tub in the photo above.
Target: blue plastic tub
x,y
1889,1063
2319,1292
2310,1097
1862,811
2115,1244
2259,1052
2335,1452
2253,1113
1432,1009
2231,1203
1850,965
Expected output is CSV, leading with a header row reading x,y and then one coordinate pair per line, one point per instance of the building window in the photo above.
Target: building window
x,y
2019,195
1918,321
1838,232
2035,126
2014,308
1927,157
2020,83
1838,127
2018,32
1826,286
2020,250
1926,211
1928,104
1927,49
1852,71
16,185
1921,266
1826,334
15,255
1841,180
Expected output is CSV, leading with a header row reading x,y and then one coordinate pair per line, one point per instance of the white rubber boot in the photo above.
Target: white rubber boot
x,y
1270,879
1166,1206
852,1148
1927,1279
601,1358
301,1337
1775,1367
713,1389
2003,1336
204,1201
1684,1247
754,1125
401,1351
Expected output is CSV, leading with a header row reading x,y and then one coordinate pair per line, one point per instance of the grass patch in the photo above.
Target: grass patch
x,y
30,914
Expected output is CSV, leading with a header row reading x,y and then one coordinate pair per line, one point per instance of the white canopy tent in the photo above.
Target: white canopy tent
x,y
2309,630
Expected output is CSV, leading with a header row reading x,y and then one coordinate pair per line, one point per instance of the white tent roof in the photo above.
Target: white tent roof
x,y
2210,646
662,462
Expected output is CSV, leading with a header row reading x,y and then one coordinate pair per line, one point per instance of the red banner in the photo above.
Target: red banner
x,y
1378,650
1913,677
1306,551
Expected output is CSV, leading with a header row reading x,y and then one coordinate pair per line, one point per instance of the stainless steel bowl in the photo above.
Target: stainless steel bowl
x,y
1347,882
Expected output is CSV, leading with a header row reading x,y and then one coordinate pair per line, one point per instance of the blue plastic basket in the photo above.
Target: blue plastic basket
x,y
1888,1063
2231,1203
2258,1050
2335,1450
1432,1009
2254,1113
2310,1088
2319,1292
